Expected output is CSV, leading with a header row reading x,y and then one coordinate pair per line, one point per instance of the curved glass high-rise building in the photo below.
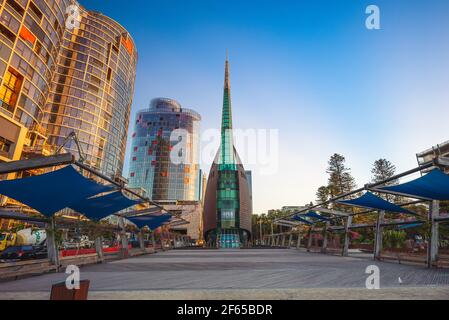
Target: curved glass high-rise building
x,y
31,34
57,80
160,131
92,91
227,205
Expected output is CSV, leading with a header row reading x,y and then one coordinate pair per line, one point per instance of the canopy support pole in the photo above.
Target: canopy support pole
x,y
290,238
99,248
283,240
309,244
432,248
141,240
325,237
123,238
153,241
378,235
52,247
345,252
298,241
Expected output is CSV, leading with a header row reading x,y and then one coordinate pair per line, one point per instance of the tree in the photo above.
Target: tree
x,y
340,178
322,195
382,170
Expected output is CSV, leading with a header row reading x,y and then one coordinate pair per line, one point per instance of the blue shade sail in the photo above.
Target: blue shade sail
x,y
51,192
100,207
432,186
314,215
150,221
371,201
298,218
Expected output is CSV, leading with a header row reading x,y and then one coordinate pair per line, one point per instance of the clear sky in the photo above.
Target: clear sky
x,y
308,68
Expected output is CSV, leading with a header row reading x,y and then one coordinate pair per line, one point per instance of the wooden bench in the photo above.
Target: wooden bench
x,y
59,291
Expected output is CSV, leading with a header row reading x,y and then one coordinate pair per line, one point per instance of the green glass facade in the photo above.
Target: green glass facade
x,y
228,184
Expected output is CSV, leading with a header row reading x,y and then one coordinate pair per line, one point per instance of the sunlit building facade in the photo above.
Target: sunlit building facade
x,y
227,204
57,80
30,38
92,90
165,152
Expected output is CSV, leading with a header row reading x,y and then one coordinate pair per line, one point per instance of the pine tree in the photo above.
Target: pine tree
x,y
382,170
340,178
322,195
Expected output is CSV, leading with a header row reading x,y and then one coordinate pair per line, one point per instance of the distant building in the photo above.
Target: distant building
x,y
152,167
189,211
227,204
177,186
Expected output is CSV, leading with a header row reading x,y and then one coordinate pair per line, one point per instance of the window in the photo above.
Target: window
x,y
27,35
9,89
5,145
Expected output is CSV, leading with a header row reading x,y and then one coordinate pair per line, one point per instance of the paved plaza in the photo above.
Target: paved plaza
x,y
238,274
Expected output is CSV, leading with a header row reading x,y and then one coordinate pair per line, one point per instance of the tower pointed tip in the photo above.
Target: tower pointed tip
x,y
227,82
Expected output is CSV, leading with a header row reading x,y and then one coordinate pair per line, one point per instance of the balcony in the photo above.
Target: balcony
x,y
39,130
39,150
6,109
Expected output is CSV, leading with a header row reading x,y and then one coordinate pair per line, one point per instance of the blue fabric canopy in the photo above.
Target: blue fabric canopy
x,y
298,218
150,221
51,192
100,207
314,215
433,186
371,201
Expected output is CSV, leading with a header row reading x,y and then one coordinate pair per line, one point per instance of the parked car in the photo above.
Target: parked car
x,y
24,253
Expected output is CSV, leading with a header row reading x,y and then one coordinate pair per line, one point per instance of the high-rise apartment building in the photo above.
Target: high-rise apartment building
x,y
158,133
30,38
57,80
92,91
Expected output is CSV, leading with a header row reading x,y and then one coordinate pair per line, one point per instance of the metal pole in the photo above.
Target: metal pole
x,y
123,238
432,247
298,241
309,243
99,247
378,236
325,236
141,240
153,241
290,238
345,252
52,247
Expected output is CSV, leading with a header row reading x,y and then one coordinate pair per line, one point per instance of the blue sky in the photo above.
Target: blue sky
x,y
308,68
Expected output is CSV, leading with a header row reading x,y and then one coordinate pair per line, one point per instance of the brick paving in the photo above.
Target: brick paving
x,y
269,273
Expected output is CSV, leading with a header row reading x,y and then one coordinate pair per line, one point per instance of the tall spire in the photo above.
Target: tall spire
x,y
227,83
227,144
227,112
